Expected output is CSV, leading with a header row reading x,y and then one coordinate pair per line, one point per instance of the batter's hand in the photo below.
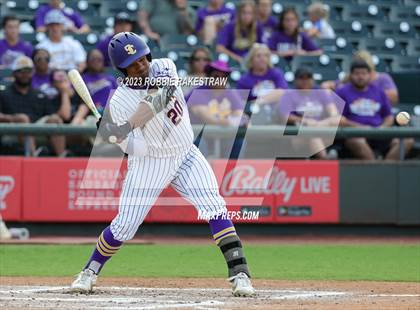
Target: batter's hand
x,y
158,100
108,128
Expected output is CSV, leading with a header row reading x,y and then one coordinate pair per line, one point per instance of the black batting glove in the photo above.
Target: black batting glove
x,y
109,129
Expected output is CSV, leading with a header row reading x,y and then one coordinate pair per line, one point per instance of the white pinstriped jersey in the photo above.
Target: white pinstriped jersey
x,y
169,132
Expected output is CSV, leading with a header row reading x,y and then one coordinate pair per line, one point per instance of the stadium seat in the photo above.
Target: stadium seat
x,y
20,8
279,6
411,2
409,14
335,46
350,29
29,37
366,14
112,8
182,44
396,30
88,41
96,23
85,8
280,62
324,67
406,63
381,46
413,48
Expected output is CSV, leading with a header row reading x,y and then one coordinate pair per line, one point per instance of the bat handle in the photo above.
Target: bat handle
x,y
97,115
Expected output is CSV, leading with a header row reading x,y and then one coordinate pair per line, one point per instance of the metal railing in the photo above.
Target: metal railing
x,y
272,132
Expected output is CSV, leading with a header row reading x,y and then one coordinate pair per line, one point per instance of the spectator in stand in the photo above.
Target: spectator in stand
x,y
261,77
12,46
211,19
308,106
197,63
267,21
288,40
122,23
166,17
236,38
66,53
318,26
380,79
41,80
100,85
217,105
20,103
367,105
73,22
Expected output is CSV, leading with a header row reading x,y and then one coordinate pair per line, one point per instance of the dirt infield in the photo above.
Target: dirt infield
x,y
188,293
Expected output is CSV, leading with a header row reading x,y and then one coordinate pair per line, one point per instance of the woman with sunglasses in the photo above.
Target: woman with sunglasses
x,y
41,79
197,63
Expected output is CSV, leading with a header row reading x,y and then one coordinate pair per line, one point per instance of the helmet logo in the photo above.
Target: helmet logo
x,y
130,49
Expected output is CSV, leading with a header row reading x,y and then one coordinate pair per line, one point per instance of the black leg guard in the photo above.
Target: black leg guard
x,y
231,248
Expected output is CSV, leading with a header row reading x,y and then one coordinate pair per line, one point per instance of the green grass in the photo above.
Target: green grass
x,y
288,262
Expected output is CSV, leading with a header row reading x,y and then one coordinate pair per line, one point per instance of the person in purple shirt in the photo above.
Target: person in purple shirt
x,y
211,19
380,79
122,23
12,46
217,105
288,41
267,21
100,85
367,106
261,77
236,38
41,79
308,106
74,21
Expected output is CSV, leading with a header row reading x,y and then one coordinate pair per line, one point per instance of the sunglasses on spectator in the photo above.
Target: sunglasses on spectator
x,y
47,59
201,58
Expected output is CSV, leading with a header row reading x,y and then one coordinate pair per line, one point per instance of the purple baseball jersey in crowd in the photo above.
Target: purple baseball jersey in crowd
x,y
103,47
268,27
99,85
72,16
224,13
221,102
368,107
311,102
260,85
281,42
8,53
42,82
226,37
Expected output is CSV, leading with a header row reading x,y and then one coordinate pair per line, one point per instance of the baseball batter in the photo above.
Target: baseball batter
x,y
153,127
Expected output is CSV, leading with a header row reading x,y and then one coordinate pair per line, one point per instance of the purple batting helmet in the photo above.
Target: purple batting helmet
x,y
125,48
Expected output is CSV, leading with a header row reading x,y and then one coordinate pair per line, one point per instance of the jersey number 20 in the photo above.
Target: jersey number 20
x,y
175,114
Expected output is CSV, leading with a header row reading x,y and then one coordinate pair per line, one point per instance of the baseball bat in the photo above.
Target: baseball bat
x,y
81,88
